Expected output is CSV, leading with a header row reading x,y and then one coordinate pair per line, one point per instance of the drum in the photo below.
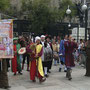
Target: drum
x,y
22,51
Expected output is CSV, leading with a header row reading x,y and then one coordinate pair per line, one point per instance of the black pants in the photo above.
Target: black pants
x,y
24,58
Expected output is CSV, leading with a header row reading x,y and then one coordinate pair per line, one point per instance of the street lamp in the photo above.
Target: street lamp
x,y
68,11
84,8
69,25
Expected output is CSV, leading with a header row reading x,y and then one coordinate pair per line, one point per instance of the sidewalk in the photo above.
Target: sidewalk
x,y
55,81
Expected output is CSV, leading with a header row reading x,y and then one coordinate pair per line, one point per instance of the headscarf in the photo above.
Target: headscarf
x,y
37,38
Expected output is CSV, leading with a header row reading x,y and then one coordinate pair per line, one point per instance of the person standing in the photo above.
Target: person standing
x,y
24,43
55,52
62,54
47,51
49,44
16,62
36,68
69,58
44,61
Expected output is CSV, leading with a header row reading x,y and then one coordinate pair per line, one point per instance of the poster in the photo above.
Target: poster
x,y
6,38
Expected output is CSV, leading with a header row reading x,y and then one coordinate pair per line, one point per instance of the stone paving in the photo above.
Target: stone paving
x,y
55,81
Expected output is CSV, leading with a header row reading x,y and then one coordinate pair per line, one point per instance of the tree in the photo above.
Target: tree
x,y
41,14
4,5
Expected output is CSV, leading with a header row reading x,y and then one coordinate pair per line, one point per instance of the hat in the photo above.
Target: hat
x,y
37,38
42,36
16,38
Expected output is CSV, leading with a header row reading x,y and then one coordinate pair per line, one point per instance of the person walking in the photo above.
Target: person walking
x,y
62,54
69,58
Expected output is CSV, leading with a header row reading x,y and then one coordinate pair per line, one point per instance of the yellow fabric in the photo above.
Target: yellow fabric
x,y
39,61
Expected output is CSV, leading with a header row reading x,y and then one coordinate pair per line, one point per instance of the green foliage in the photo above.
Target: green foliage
x,y
63,5
4,5
41,14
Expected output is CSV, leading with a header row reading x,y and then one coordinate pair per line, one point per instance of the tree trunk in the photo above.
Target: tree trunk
x,y
3,75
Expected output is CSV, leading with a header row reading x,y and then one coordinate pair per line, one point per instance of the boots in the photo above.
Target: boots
x,y
68,74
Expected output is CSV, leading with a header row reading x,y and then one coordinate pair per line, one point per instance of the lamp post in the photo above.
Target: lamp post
x,y
68,12
84,8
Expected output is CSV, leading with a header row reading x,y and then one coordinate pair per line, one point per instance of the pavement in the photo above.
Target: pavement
x,y
55,81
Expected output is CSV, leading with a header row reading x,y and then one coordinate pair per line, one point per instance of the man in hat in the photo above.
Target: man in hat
x,y
42,39
36,68
16,64
44,56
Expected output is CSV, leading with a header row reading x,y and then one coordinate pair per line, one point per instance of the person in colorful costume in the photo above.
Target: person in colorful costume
x,y
36,68
69,57
62,54
16,62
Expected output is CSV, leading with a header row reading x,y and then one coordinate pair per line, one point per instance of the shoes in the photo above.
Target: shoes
x,y
20,73
14,74
87,75
34,81
65,70
68,74
6,87
42,80
60,69
46,76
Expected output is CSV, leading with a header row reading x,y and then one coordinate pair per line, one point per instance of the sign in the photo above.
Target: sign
x,y
6,38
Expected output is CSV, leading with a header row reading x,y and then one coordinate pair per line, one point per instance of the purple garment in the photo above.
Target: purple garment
x,y
28,50
69,58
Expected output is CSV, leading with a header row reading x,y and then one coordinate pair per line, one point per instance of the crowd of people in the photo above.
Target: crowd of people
x,y
41,52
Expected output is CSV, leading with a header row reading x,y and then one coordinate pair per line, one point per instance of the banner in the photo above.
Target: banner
x,y
6,38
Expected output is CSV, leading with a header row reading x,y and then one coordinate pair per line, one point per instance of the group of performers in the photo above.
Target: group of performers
x,y
40,55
